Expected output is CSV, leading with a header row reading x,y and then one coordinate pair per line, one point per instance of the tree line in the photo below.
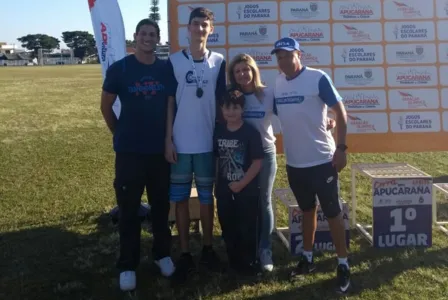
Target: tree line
x,y
82,43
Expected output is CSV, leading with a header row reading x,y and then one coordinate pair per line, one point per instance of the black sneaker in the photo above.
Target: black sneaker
x,y
184,266
303,267
211,260
248,269
234,262
343,278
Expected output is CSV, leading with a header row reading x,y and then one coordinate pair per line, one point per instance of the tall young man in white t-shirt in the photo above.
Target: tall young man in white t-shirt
x,y
198,82
302,96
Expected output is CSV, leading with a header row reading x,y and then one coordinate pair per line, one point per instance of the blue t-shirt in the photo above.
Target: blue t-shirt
x,y
141,89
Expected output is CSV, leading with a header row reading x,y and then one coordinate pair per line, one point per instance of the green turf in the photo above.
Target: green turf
x,y
56,241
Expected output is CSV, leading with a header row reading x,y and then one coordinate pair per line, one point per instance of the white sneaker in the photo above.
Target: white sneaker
x,y
166,266
266,260
127,281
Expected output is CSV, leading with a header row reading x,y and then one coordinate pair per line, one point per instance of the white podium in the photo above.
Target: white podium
x,y
402,205
442,187
292,237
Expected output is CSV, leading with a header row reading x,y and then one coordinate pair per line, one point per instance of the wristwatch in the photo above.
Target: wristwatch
x,y
342,147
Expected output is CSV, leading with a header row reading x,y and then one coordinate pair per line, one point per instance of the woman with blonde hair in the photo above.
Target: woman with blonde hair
x,y
243,73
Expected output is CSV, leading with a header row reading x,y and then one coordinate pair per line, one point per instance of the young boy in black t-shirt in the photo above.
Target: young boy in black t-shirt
x,y
239,152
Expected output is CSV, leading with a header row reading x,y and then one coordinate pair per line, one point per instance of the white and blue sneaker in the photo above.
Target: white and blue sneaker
x,y
166,266
127,281
266,260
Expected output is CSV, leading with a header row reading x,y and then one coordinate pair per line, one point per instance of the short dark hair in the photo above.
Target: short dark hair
x,y
150,23
201,12
233,96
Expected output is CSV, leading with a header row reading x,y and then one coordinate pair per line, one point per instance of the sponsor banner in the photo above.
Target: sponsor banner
x,y
262,55
425,121
217,38
268,76
252,11
443,75
411,54
408,9
110,38
304,11
444,97
410,31
359,77
358,55
442,8
387,58
218,9
401,192
368,32
442,32
307,32
367,123
253,34
315,56
355,100
223,51
445,120
404,99
328,71
443,52
412,76
361,10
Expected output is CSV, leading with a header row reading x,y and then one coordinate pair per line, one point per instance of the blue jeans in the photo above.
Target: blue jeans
x,y
267,178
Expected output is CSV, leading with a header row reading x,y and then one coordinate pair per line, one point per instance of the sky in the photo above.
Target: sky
x,y
52,17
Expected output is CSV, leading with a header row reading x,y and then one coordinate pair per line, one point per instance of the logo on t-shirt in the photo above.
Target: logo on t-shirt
x,y
253,114
190,79
147,86
232,159
290,100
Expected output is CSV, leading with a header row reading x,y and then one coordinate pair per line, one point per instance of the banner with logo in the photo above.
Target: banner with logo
x,y
109,34
387,58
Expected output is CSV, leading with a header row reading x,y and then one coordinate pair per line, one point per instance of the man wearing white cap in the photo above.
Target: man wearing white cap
x,y
302,97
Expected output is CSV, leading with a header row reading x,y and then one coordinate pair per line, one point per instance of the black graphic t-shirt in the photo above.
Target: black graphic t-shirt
x,y
142,90
236,151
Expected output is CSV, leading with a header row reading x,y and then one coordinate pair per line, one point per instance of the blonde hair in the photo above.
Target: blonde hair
x,y
247,59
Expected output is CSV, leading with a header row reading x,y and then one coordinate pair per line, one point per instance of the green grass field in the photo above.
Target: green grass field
x,y
56,240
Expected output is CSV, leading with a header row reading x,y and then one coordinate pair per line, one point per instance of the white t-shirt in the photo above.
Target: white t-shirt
x,y
301,105
195,118
260,114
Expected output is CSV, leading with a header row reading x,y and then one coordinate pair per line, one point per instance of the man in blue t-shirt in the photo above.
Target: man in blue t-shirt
x,y
139,142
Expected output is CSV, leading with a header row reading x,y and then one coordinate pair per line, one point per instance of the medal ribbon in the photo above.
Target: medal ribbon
x,y
199,80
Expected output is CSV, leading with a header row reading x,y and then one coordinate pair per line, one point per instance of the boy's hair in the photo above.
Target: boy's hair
x,y
202,12
150,23
233,96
